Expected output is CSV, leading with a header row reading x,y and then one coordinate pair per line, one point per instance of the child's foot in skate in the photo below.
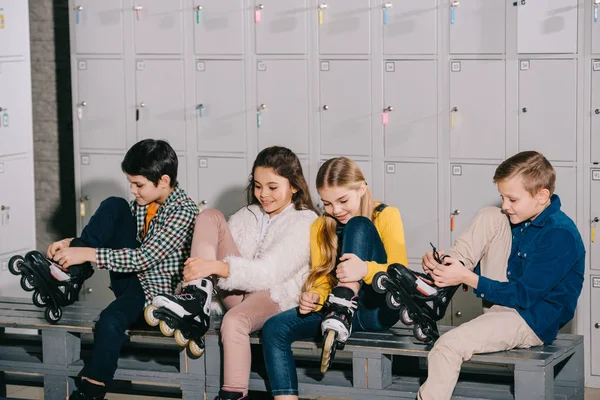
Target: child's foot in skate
x,y
342,303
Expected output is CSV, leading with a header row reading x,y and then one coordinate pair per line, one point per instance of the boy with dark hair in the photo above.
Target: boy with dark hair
x,y
531,260
143,245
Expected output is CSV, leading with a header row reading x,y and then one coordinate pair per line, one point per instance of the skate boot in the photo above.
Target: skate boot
x,y
341,305
185,316
225,395
52,287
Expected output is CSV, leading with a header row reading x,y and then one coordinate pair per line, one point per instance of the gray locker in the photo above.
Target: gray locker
x,y
16,205
15,108
595,112
477,109
410,116
344,26
547,107
98,26
367,170
220,107
345,107
566,189
182,176
281,26
409,26
100,109
160,105
222,183
420,210
547,26
14,28
158,26
282,90
219,27
594,283
478,27
594,247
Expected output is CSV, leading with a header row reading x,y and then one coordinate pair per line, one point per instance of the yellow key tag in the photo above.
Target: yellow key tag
x,y
82,208
1,21
320,17
451,121
593,233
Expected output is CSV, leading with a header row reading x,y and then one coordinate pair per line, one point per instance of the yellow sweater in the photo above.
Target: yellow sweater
x,y
389,225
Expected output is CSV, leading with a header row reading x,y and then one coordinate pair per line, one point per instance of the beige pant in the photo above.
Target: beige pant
x,y
488,239
247,312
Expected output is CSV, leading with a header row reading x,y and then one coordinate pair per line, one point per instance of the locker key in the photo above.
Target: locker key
x,y
201,110
137,11
454,214
386,8
596,4
452,112
82,201
259,110
257,12
198,10
80,110
322,7
78,10
593,232
453,7
385,118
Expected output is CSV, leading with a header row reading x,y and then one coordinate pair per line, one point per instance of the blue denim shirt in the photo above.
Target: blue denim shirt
x,y
545,272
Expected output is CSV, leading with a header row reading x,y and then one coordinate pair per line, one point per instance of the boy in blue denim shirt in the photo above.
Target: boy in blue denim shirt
x,y
532,267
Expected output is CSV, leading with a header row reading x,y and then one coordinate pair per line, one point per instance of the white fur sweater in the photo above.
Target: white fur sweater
x,y
279,263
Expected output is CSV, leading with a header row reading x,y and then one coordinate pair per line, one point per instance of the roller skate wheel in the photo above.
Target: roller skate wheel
x,y
149,316
420,335
53,315
165,329
405,316
379,282
391,301
26,285
13,265
38,299
328,349
181,340
196,349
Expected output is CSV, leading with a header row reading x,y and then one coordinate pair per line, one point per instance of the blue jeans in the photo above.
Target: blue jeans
x,y
281,330
113,226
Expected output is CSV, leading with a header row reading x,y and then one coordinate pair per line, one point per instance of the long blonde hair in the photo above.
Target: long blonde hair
x,y
336,172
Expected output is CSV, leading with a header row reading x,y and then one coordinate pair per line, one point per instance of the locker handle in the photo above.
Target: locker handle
x,y
458,313
388,109
524,109
261,107
257,12
83,104
78,10
452,112
201,110
325,107
597,111
597,325
198,10
137,11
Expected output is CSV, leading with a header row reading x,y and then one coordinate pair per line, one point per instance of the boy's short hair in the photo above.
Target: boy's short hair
x,y
151,159
534,169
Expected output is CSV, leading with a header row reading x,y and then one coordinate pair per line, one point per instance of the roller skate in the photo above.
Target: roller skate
x,y
52,287
341,305
185,316
420,302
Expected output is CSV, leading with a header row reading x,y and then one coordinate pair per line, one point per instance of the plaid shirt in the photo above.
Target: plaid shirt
x,y
159,259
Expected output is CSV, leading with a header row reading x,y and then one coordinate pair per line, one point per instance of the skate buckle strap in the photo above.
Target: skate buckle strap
x,y
342,302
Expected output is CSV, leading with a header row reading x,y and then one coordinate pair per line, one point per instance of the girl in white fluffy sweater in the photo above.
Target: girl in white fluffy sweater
x,y
258,260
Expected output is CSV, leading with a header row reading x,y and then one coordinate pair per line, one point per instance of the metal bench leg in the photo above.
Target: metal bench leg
x,y
371,370
214,371
58,387
59,349
570,372
534,383
193,372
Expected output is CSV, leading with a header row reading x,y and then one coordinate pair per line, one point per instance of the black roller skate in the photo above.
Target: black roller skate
x,y
185,316
337,324
52,287
420,302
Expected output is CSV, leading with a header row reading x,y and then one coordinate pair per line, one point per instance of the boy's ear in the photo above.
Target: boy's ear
x,y
164,181
543,196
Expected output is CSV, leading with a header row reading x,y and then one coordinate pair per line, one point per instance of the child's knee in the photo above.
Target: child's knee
x,y
210,214
235,323
115,203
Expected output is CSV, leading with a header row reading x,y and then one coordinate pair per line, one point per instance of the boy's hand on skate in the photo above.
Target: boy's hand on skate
x,y
56,246
351,269
452,273
429,263
70,256
307,302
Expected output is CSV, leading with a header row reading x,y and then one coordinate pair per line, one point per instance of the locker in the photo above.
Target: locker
x,y
15,108
218,26
367,170
419,211
281,26
98,26
100,108
477,109
344,27
158,26
478,27
548,110
345,109
160,102
594,246
220,107
410,92
409,27
594,283
17,205
566,189
182,175
222,183
14,28
595,112
365,167
282,89
547,26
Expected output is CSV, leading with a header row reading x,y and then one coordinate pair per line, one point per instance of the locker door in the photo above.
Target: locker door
x,y
411,90
547,112
219,26
14,27
409,27
15,108
158,26
367,170
345,109
471,189
98,26
160,101
221,106
17,225
594,247
222,183
595,323
281,87
478,27
477,114
566,189
547,26
281,26
419,212
595,115
100,108
344,27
